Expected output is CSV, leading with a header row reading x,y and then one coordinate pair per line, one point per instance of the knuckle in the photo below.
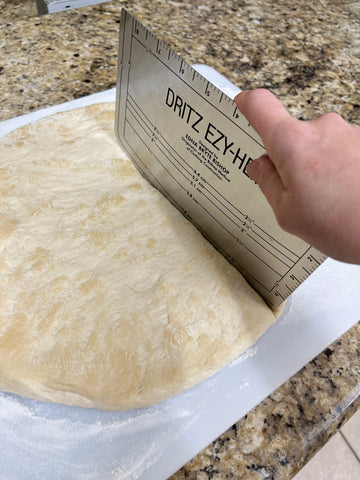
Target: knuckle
x,y
297,131
332,116
333,120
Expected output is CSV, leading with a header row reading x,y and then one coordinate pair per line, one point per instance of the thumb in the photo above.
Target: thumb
x,y
264,173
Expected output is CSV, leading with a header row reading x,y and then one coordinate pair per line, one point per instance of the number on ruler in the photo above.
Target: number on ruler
x,y
207,91
236,113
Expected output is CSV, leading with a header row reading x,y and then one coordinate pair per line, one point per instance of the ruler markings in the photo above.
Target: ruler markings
x,y
314,259
269,251
279,243
295,263
138,119
218,222
156,158
141,138
272,246
253,230
177,164
216,205
267,248
180,77
277,293
243,229
143,125
147,170
255,225
129,69
141,122
264,263
149,133
174,152
229,256
218,196
227,200
242,242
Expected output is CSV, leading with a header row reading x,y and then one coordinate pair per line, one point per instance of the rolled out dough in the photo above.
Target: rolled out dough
x,y
109,297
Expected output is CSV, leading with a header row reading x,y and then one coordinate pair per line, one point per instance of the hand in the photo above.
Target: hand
x,y
310,174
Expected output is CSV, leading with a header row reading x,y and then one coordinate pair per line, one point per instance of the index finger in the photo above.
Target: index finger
x,y
263,111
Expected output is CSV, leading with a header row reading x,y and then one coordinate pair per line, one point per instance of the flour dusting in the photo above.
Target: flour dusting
x,y
250,352
75,443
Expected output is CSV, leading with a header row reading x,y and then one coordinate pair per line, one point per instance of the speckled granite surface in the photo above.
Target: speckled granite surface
x,y
310,57
278,437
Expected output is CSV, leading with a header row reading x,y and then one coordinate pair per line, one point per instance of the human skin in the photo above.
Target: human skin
x,y
310,173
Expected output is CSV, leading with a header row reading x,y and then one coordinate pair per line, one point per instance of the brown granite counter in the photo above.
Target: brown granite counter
x,y
308,56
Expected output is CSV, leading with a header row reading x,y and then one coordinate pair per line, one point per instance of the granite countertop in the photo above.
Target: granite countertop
x,y
310,58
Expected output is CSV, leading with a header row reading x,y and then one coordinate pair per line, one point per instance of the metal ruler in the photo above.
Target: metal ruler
x,y
189,140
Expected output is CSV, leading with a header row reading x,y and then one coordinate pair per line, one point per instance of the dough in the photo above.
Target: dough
x,y
109,297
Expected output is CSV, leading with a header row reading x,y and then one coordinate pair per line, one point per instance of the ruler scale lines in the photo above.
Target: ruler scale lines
x,y
163,139
281,244
263,237
256,233
248,234
175,179
249,249
270,252
180,172
137,133
179,76
218,221
265,233
148,132
264,240
314,259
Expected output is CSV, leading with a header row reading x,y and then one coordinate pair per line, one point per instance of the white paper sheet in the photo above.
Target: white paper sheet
x,y
40,440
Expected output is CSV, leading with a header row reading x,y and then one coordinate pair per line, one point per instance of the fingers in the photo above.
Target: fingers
x,y
274,125
263,111
263,172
